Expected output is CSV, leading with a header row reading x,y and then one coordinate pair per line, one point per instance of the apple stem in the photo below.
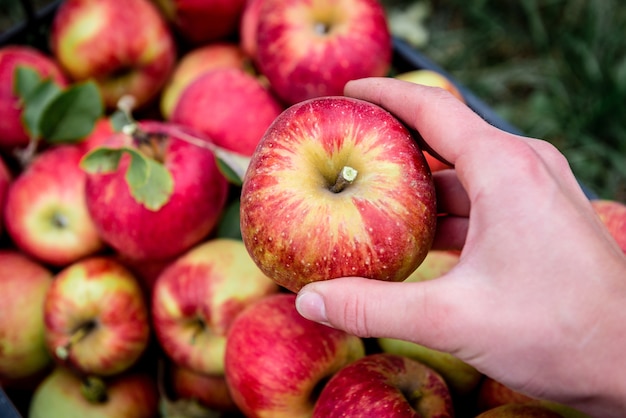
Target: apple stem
x,y
63,351
346,176
94,389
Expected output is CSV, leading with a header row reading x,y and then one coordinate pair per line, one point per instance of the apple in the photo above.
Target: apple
x,y
337,187
5,180
196,62
431,78
613,215
96,318
62,395
23,286
99,135
198,296
127,50
519,411
46,213
385,385
210,391
460,377
277,361
190,213
230,107
13,133
248,28
205,21
308,49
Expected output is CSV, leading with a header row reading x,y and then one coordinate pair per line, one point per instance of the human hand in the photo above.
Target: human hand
x,y
537,298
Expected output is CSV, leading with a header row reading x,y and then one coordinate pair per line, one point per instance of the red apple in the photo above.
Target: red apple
x,y
5,180
230,107
61,395
491,394
127,50
276,360
208,390
385,385
46,214
13,133
190,213
23,286
203,21
520,411
198,296
303,218
96,317
248,28
309,49
196,62
100,134
613,215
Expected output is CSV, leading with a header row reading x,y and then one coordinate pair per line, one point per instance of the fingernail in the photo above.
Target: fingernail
x,y
311,306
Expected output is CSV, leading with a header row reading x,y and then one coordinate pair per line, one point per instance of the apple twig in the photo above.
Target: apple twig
x,y
346,176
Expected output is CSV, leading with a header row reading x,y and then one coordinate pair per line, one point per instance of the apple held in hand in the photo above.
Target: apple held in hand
x,y
13,133
613,214
46,214
385,385
23,286
309,49
198,296
337,187
189,205
96,318
127,49
62,395
277,361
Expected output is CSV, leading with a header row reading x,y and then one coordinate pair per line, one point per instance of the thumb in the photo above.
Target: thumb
x,y
419,312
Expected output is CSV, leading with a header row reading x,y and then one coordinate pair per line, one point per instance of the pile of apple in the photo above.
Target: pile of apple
x,y
171,173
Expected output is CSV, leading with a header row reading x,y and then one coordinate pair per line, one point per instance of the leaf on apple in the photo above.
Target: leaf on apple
x,y
54,114
230,226
149,181
233,166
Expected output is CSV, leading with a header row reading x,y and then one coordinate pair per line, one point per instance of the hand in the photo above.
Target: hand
x,y
537,300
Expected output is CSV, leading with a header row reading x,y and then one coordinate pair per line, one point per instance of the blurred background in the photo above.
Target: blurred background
x,y
555,69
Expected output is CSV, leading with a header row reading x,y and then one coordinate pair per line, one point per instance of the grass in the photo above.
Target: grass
x,y
556,69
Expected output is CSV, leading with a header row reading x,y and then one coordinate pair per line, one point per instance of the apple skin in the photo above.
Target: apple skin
x,y
248,28
190,215
196,62
212,104
613,214
23,285
200,22
311,49
101,297
46,213
298,231
99,135
210,391
13,134
385,385
431,78
460,377
276,359
519,411
198,296
128,396
127,50
6,177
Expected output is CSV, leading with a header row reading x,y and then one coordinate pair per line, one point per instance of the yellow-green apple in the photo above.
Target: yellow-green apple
x,y
431,78
277,361
197,297
13,133
613,215
195,62
212,104
6,176
209,391
309,49
46,213
63,394
188,216
519,411
96,317
199,22
385,385
23,286
126,50
337,187
461,378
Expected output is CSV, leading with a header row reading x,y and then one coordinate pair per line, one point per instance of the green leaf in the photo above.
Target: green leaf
x,y
232,165
72,114
229,225
25,81
101,160
35,103
120,119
